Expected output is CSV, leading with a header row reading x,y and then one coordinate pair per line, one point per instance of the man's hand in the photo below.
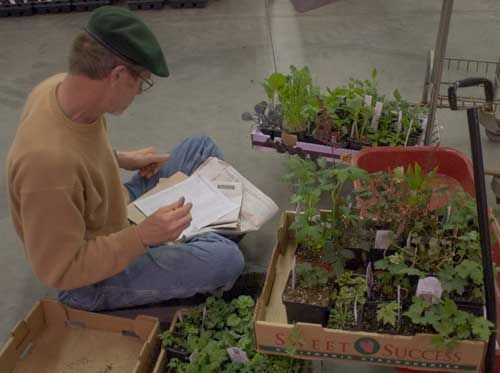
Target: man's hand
x,y
166,224
147,161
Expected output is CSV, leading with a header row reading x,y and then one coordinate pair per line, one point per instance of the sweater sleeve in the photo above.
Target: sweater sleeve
x,y
53,229
51,208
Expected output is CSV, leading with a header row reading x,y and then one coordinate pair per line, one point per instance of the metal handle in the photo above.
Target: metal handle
x,y
489,90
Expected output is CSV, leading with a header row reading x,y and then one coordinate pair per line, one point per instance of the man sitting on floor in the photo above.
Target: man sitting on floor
x,y
67,202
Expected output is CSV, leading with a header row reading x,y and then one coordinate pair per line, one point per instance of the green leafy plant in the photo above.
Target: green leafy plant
x,y
311,277
299,99
226,324
342,318
450,323
387,313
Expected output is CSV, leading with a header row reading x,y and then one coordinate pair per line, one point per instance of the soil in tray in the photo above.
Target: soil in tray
x,y
406,327
357,264
377,292
318,297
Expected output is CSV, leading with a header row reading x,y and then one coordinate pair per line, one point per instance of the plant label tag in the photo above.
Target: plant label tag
x,y
237,355
399,302
408,134
383,239
376,116
356,309
203,317
193,356
288,139
294,264
408,240
430,289
369,279
448,213
368,100
181,319
399,125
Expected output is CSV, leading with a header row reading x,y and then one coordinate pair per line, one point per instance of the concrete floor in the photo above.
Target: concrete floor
x,y
217,57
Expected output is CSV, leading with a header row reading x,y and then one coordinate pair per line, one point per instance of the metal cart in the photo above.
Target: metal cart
x,y
443,71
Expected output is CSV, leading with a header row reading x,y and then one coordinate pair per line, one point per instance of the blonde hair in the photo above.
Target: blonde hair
x,y
89,58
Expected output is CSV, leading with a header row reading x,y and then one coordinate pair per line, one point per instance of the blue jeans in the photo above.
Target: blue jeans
x,y
207,263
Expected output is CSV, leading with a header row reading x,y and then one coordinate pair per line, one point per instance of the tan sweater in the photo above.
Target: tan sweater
x,y
67,202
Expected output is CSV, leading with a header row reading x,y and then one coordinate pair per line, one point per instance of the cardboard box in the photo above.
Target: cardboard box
x,y
55,339
162,361
415,352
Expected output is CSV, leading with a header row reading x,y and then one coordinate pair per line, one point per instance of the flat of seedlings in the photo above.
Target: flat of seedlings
x,y
412,348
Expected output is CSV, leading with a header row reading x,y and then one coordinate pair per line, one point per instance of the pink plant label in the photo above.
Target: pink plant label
x,y
368,100
430,289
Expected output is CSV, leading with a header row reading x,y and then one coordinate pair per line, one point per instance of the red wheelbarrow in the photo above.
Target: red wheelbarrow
x,y
453,169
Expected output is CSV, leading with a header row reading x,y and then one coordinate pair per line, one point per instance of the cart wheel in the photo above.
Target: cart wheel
x,y
493,136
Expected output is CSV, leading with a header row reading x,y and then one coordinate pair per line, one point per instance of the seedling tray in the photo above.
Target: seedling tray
x,y
339,151
272,331
44,7
187,3
145,4
88,5
15,10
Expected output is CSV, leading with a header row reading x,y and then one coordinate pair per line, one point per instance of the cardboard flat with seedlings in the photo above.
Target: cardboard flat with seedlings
x,y
274,335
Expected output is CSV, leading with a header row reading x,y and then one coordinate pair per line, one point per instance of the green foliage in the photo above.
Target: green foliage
x,y
450,323
342,318
226,325
352,118
387,313
299,99
273,84
349,288
311,277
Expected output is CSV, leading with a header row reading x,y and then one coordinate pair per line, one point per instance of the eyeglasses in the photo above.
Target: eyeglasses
x,y
146,84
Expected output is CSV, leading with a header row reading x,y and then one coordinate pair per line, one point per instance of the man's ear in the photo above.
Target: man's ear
x,y
117,74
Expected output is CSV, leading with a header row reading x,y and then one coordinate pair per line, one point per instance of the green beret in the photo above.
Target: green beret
x,y
126,35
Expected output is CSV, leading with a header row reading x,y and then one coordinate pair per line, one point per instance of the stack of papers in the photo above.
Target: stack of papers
x,y
223,200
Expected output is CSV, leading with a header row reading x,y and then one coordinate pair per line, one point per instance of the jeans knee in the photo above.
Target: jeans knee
x,y
206,146
230,263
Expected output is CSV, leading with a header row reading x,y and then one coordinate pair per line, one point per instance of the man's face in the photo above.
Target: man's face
x,y
126,84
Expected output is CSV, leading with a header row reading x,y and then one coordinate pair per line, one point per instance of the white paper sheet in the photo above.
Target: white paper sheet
x,y
256,207
209,204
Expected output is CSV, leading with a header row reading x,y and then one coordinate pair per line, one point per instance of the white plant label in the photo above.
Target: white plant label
x,y
356,309
400,121
369,279
368,100
448,213
376,116
383,239
430,289
408,241
408,134
193,356
237,355
203,317
399,302
294,264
